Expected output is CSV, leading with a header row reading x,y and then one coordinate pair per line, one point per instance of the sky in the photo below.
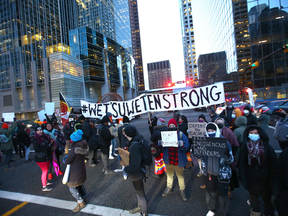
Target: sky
x,y
161,39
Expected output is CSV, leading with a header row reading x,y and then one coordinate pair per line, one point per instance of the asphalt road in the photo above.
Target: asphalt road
x,y
110,191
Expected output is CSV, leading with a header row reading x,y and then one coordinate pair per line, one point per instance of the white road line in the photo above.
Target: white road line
x,y
63,204
271,127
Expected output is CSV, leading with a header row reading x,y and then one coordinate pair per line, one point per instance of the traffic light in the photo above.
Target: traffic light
x,y
254,65
285,47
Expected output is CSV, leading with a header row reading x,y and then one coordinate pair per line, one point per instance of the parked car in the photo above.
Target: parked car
x,y
275,107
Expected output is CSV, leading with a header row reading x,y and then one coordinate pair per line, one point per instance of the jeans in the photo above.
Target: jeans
x,y
170,174
8,154
113,143
139,188
92,156
79,193
27,152
255,204
105,161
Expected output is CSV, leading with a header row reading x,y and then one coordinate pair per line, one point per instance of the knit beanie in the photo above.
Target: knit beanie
x,y
172,121
212,110
76,136
125,119
247,108
109,114
105,119
5,126
130,131
211,126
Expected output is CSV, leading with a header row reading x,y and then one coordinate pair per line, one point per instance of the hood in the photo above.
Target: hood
x,y
241,121
263,135
81,147
202,116
137,138
161,127
217,130
238,112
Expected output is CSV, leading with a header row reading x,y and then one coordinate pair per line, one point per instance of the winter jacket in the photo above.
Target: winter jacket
x,y
214,117
42,148
88,131
182,158
281,131
134,169
153,123
76,159
123,141
225,171
183,127
264,119
251,119
104,137
227,115
257,179
23,137
156,136
8,132
241,124
281,183
68,130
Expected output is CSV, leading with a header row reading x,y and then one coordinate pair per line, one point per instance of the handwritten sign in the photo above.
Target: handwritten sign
x,y
169,138
124,156
210,146
196,129
8,117
49,108
41,115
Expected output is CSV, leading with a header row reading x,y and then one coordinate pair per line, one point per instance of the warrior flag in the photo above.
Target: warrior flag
x,y
65,109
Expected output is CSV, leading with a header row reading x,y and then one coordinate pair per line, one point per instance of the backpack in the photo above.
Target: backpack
x,y
281,131
4,138
100,140
146,153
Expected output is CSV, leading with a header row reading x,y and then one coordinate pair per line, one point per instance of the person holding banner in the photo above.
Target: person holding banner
x,y
218,172
152,121
175,159
257,165
227,114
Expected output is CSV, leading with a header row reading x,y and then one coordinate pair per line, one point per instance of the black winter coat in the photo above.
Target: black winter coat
x,y
251,119
105,138
214,117
76,159
88,131
157,133
153,123
43,151
134,169
123,141
23,137
68,130
258,179
183,127
227,115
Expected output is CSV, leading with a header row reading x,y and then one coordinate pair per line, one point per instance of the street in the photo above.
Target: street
x,y
110,195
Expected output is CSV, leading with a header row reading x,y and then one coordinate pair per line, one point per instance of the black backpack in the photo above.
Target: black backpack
x,y
146,153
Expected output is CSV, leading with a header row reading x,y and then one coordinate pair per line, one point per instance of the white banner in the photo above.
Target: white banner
x,y
189,99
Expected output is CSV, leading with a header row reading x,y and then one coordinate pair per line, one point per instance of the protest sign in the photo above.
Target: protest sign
x,y
41,115
210,146
189,99
169,138
250,94
196,129
8,117
49,108
124,156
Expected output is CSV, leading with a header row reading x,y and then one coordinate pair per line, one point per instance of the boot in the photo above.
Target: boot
x,y
108,172
183,195
254,213
79,207
91,164
136,209
166,192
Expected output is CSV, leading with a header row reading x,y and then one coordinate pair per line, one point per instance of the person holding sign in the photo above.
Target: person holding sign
x,y
218,172
251,119
175,159
257,165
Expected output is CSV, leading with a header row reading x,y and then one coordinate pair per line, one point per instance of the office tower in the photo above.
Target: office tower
x,y
159,74
136,43
188,39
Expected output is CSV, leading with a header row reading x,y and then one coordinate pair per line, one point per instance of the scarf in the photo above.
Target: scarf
x,y
41,139
255,152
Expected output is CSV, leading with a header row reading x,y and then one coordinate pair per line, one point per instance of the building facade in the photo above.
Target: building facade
x,y
188,39
136,43
159,74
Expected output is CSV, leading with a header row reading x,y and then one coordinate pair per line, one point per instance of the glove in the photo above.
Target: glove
x,y
227,152
65,158
119,157
273,199
180,143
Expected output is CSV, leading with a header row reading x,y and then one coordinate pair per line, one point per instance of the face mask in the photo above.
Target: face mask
x,y
211,134
220,125
254,137
233,116
229,106
246,112
201,120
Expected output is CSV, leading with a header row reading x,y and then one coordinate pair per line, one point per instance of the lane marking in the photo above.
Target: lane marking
x,y
64,204
15,209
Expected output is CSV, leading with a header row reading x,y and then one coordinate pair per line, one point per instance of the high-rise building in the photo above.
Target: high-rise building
x,y
159,74
188,39
136,43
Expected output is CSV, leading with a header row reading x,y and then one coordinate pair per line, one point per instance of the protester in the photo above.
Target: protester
x,y
202,119
280,187
68,130
217,172
263,120
281,129
183,125
227,114
157,151
113,131
90,135
7,146
79,123
257,164
231,138
213,114
77,175
24,140
105,138
152,121
241,124
43,148
176,116
235,114
251,119
175,159
135,169
59,148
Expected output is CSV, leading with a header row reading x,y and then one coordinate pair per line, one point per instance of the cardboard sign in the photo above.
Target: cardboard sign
x,y
49,108
196,129
124,156
210,146
41,115
169,138
8,117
